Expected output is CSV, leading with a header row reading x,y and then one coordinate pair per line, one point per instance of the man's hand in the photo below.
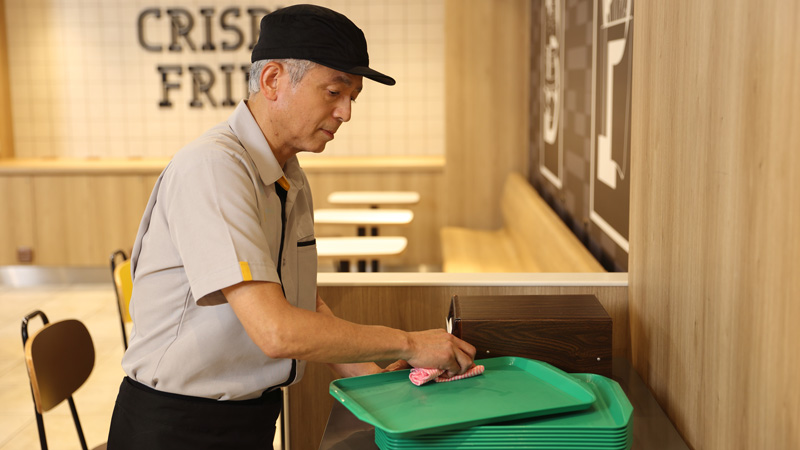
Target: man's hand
x,y
438,349
400,364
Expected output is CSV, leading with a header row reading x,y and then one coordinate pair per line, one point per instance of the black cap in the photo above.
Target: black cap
x,y
316,34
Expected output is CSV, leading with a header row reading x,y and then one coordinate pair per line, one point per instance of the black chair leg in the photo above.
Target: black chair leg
x,y
24,331
40,425
77,423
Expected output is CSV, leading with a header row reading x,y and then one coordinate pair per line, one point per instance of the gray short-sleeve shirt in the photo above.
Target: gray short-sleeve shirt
x,y
213,220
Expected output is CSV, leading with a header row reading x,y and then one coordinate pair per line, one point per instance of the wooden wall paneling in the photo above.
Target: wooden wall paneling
x,y
16,217
81,219
487,68
120,203
6,124
51,227
715,218
413,308
83,222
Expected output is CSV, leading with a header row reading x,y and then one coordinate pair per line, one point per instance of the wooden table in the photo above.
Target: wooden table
x,y
343,249
373,198
362,218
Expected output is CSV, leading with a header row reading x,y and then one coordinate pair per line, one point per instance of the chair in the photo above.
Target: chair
x,y
59,357
123,287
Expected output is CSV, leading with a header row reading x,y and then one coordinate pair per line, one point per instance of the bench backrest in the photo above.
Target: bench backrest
x,y
548,244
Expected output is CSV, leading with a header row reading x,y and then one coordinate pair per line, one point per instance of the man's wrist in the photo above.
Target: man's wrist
x,y
407,349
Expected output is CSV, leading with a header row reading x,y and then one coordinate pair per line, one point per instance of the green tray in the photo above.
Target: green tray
x,y
611,414
384,444
510,388
507,440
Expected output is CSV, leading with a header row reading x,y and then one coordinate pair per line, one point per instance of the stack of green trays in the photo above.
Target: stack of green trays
x,y
517,403
606,425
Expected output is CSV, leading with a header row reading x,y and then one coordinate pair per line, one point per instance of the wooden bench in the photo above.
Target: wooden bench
x,y
533,239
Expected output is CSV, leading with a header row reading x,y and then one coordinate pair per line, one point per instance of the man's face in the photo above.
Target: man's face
x,y
313,110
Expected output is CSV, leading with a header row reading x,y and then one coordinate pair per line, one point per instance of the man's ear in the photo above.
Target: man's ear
x,y
269,80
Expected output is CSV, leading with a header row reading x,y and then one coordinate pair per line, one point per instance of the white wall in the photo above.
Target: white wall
x,y
83,86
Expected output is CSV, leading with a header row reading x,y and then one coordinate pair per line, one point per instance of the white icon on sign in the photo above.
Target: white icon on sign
x,y
552,73
614,12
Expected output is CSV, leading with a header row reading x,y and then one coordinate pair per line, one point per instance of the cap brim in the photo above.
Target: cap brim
x,y
372,74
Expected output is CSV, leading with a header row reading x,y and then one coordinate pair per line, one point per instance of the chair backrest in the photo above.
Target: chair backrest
x,y
60,357
124,285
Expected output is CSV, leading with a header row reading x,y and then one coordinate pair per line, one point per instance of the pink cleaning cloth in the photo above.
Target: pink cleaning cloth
x,y
420,376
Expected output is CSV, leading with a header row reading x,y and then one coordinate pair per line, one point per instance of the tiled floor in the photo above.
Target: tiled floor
x,y
94,305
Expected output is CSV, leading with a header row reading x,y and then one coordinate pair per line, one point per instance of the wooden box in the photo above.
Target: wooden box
x,y
571,332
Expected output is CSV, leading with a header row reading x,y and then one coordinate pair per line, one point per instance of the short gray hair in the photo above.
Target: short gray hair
x,y
297,69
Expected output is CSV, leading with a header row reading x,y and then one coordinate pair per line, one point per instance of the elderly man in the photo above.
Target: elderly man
x,y
225,305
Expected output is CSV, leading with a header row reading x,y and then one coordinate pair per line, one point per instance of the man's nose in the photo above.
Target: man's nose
x,y
343,110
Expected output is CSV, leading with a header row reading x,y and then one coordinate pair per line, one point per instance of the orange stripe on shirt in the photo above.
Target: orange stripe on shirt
x,y
246,275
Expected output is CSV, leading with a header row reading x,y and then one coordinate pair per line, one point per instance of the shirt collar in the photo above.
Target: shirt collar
x,y
247,130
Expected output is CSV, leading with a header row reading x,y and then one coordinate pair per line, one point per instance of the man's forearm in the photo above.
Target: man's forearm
x,y
283,331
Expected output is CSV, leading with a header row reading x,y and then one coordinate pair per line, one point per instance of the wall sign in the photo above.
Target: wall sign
x,y
224,31
610,181
580,133
551,151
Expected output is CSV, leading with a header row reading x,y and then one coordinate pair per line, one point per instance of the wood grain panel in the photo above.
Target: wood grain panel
x,y
715,214
414,308
487,54
16,217
80,220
